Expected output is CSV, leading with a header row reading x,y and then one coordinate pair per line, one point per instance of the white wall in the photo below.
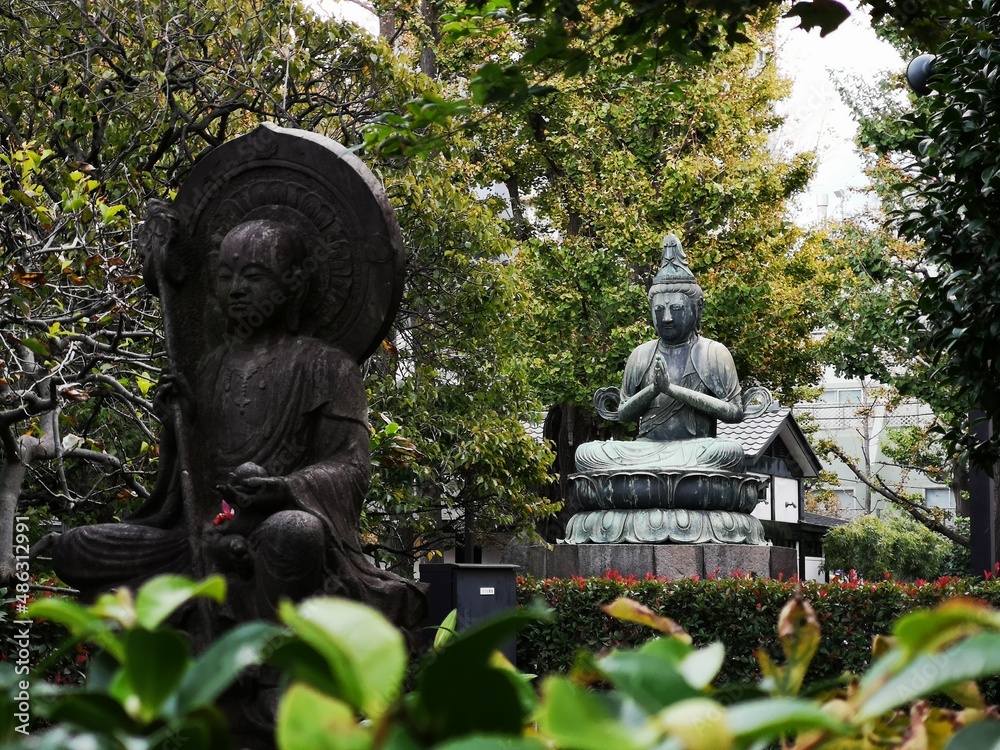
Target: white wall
x,y
786,499
813,570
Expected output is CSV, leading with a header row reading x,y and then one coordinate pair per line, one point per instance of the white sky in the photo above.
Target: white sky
x,y
816,117
348,10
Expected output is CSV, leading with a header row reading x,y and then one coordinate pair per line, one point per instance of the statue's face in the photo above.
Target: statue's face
x,y
675,316
249,289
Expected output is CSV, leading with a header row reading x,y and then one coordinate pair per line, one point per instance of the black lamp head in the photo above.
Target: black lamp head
x,y
918,72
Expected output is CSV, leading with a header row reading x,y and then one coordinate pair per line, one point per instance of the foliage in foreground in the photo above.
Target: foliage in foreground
x,y
346,667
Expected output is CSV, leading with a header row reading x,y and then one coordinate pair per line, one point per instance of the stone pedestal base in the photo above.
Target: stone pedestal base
x,y
687,489
660,526
667,560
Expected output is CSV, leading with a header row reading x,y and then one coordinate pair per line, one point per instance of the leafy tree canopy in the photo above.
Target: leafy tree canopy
x,y
104,106
950,204
563,39
872,546
596,174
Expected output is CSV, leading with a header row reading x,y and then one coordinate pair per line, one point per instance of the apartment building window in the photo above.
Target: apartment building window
x,y
939,497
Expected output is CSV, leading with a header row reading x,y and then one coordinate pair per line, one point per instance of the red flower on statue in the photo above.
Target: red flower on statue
x,y
227,514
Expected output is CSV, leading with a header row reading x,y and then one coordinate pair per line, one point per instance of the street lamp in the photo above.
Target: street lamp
x,y
919,71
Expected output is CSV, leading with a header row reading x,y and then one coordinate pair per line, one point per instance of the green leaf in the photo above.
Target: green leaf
x,y
397,738
82,624
921,630
90,711
702,667
488,698
116,605
155,663
484,742
108,213
984,735
574,717
770,718
478,700
160,597
221,663
698,723
309,720
304,663
446,630
205,729
630,610
647,678
36,346
972,659
364,651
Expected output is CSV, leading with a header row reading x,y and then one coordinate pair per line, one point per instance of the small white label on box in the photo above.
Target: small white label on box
x,y
487,591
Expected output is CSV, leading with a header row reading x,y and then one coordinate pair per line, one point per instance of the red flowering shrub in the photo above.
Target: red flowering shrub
x,y
45,637
740,612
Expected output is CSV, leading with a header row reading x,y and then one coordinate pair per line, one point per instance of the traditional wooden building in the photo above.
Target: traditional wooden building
x,y
776,448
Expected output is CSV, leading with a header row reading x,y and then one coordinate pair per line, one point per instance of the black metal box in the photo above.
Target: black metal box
x,y
476,591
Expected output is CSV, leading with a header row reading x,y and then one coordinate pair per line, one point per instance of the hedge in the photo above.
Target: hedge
x,y
741,612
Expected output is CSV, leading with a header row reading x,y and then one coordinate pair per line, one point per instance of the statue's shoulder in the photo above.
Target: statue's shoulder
x,y
643,353
713,360
307,350
328,378
709,347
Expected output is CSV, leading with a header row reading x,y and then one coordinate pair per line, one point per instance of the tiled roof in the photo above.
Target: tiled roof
x,y
754,434
820,520
534,429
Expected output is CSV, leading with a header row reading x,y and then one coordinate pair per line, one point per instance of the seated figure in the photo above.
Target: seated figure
x,y
284,419
676,387
676,482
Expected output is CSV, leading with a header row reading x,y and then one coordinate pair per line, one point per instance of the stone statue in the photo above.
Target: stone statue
x,y
279,266
676,481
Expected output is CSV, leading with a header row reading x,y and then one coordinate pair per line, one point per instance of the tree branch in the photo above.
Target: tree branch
x,y
917,511
106,458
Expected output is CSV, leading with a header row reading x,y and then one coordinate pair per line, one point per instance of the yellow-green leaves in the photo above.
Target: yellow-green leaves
x,y
698,723
159,598
364,652
574,717
630,610
930,630
311,720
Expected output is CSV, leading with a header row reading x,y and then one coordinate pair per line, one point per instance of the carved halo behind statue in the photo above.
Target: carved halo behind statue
x,y
309,400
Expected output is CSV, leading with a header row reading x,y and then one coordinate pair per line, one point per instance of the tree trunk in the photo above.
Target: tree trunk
x,y
960,489
995,511
11,482
428,59
387,25
469,535
11,479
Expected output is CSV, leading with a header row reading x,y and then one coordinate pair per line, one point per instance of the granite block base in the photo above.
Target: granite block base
x,y
667,560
